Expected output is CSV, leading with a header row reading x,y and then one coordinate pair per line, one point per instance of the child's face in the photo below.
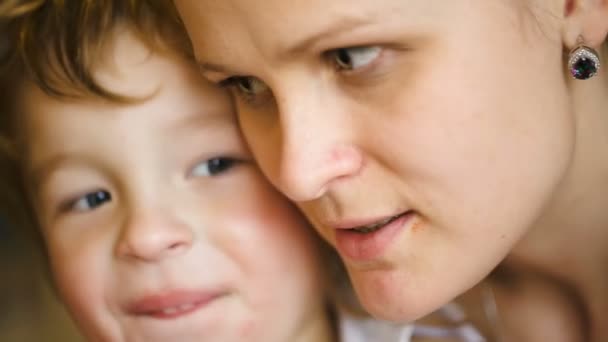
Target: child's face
x,y
420,121
158,224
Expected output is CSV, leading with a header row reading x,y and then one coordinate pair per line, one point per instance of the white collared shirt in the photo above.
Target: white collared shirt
x,y
354,329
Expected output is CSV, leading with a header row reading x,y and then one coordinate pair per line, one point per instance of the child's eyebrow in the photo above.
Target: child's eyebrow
x,y
41,170
205,119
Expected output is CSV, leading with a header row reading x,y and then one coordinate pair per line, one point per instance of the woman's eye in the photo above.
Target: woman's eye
x,y
91,201
355,57
249,85
213,167
248,88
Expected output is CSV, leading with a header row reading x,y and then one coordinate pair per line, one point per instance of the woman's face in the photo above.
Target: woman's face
x,y
422,137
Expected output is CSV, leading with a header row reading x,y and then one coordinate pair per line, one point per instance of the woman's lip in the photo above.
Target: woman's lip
x,y
172,304
366,247
358,223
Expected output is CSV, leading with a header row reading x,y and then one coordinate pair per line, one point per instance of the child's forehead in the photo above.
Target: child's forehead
x,y
164,87
165,125
131,68
161,93
126,70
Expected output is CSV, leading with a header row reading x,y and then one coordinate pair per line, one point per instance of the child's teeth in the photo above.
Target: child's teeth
x,y
170,311
185,307
175,309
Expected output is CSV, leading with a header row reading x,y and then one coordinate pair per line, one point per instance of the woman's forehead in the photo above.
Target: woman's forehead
x,y
290,14
276,28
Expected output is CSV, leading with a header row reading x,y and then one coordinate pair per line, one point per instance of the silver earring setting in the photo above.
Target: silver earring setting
x,y
584,62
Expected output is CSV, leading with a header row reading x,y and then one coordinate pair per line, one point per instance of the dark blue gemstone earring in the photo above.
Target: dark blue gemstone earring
x,y
584,61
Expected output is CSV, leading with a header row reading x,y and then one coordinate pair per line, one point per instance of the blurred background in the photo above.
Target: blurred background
x,y
29,310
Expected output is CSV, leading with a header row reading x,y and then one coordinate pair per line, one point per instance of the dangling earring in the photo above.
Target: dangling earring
x,y
584,61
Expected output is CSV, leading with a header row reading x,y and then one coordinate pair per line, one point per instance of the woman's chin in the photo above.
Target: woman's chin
x,y
389,296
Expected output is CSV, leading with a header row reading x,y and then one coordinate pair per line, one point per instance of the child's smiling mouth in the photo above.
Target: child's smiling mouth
x,y
173,304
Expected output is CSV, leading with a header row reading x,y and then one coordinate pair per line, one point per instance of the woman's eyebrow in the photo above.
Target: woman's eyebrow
x,y
211,67
337,26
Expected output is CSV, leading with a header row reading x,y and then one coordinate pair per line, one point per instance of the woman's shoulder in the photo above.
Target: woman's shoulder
x,y
447,324
366,329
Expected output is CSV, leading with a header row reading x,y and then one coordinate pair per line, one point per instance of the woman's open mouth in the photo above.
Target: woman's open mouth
x,y
376,226
369,241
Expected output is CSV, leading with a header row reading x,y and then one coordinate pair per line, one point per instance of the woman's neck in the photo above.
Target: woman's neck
x,y
570,241
321,326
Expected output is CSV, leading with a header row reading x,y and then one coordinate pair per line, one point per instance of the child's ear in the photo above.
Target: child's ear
x,y
587,19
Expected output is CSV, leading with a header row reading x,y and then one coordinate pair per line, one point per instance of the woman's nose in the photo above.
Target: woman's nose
x,y
317,146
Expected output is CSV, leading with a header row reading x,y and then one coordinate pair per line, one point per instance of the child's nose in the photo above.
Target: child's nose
x,y
154,235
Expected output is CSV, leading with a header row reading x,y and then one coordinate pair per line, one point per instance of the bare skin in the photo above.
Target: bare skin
x,y
460,114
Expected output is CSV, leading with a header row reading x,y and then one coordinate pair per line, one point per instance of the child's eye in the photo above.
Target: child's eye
x,y
90,201
213,167
355,57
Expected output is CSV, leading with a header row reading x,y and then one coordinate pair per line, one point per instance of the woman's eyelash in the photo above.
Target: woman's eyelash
x,y
226,83
338,57
354,58
229,82
235,85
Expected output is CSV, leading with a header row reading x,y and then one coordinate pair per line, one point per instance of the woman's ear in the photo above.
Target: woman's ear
x,y
587,19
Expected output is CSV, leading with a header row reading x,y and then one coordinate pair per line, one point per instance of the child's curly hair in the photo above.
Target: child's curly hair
x,y
55,44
